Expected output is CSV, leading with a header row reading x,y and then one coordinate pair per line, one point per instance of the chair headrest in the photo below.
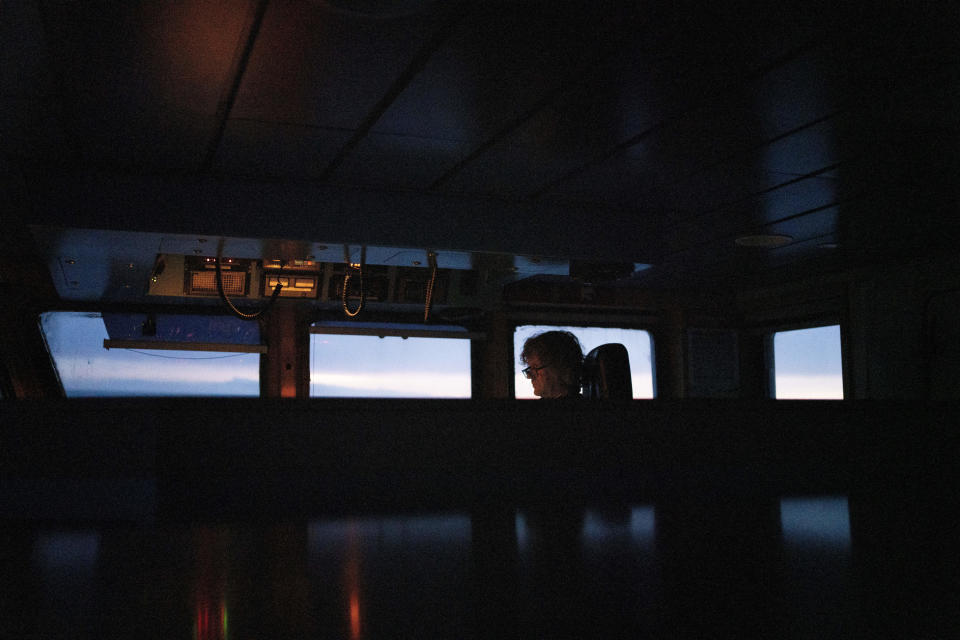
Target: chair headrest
x,y
606,373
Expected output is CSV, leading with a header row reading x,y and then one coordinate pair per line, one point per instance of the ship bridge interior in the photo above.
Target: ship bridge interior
x,y
710,173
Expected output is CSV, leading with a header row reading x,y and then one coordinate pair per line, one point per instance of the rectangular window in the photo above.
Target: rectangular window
x,y
389,361
807,364
87,368
637,342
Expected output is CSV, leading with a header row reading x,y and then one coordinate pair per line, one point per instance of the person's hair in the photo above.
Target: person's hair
x,y
558,349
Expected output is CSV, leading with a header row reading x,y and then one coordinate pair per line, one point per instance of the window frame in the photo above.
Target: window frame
x,y
394,327
158,345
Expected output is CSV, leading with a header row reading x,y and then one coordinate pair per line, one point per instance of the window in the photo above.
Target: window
x,y
807,364
389,361
87,368
636,341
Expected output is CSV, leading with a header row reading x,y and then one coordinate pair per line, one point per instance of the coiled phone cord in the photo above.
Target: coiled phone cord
x,y
229,303
358,267
432,261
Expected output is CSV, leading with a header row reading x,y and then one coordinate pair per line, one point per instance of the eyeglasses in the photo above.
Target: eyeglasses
x,y
530,371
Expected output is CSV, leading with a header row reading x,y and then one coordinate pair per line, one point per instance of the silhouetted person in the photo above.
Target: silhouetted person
x,y
554,360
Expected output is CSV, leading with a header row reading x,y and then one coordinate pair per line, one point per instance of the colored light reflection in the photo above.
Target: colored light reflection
x,y
355,615
210,588
211,620
351,574
397,576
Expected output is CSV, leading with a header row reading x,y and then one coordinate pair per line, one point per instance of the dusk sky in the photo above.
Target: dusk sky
x,y
86,368
389,367
807,364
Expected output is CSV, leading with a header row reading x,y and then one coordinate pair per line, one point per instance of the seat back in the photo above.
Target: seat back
x,y
606,373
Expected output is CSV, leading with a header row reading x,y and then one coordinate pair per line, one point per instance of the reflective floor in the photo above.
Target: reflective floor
x,y
590,573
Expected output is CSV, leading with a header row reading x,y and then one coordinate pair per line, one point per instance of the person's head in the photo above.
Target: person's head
x,y
553,362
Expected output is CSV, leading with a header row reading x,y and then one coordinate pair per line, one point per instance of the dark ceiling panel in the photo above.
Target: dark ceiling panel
x,y
142,81
447,110
565,134
277,150
31,128
519,164
796,197
804,256
492,69
147,138
315,65
31,125
727,126
752,215
616,182
25,70
398,162
650,131
820,224
501,68
793,209
802,90
712,188
803,152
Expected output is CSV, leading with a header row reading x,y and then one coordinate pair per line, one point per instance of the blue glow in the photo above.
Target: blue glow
x,y
638,524
72,550
823,521
643,525
523,532
440,530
